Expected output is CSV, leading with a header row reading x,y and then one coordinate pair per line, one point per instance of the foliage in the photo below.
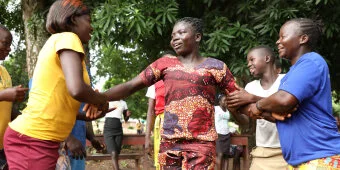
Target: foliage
x,y
130,34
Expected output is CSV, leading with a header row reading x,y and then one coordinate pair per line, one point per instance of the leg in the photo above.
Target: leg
x,y
115,163
23,152
219,161
225,162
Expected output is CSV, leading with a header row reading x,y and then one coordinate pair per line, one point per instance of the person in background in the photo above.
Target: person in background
x,y
222,117
262,65
139,127
60,83
8,94
155,116
113,130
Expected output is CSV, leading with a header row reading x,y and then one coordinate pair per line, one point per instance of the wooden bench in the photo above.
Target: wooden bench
x,y
242,140
132,140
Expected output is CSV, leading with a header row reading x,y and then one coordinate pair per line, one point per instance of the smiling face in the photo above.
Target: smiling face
x,y
289,40
82,27
5,43
256,62
184,39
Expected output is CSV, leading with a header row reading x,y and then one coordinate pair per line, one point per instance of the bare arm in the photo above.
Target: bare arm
x,y
124,90
13,94
91,137
150,122
279,102
71,63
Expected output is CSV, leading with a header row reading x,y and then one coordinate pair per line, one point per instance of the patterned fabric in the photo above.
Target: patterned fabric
x,y
157,138
188,154
189,96
328,163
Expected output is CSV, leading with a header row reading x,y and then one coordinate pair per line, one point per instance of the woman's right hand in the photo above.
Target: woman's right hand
x,y
75,147
14,94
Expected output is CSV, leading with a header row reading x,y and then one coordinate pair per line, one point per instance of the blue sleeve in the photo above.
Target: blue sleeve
x,y
303,80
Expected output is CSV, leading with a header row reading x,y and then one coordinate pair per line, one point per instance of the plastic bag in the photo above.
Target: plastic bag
x,y
63,162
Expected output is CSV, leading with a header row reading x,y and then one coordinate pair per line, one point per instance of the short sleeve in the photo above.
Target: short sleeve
x,y
70,41
303,80
228,82
125,105
153,73
151,93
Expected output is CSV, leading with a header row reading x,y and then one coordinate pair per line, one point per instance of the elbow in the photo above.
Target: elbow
x,y
76,93
288,101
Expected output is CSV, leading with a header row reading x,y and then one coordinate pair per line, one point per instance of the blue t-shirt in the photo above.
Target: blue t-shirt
x,y
311,132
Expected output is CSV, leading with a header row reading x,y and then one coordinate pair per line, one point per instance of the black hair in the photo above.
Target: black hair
x,y
267,50
312,28
2,27
220,96
196,23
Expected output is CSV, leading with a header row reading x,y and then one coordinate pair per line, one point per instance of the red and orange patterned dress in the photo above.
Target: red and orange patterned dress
x,y
189,98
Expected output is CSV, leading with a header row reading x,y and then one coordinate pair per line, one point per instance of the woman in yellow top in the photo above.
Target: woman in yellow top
x,y
8,94
60,83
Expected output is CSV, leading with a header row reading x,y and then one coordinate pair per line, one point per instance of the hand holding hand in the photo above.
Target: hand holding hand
x,y
238,98
253,110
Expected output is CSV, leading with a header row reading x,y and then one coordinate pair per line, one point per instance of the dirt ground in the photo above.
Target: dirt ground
x,y
127,164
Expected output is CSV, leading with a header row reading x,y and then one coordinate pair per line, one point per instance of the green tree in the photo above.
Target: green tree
x,y
130,34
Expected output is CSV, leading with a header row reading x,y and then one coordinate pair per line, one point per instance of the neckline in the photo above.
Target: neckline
x,y
205,59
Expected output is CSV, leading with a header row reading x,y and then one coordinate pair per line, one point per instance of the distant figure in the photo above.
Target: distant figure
x,y
139,127
222,117
113,130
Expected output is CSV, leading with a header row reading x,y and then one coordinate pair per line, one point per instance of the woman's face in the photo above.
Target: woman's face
x,y
82,27
289,40
5,43
184,39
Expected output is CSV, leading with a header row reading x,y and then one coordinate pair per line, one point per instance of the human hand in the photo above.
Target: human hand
x,y
238,98
16,93
97,145
281,116
93,112
253,110
75,147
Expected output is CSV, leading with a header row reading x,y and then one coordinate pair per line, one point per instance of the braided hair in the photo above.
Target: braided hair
x,y
312,28
196,23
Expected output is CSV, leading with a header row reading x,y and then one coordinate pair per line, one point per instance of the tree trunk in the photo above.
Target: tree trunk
x,y
35,32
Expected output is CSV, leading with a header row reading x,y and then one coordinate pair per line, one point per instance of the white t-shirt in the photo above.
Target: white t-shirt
x,y
120,107
151,93
221,120
266,132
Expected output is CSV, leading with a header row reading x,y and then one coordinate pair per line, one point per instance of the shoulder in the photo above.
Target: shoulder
x,y
66,35
213,63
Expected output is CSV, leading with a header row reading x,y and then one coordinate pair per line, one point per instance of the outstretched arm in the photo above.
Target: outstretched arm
x,y
150,121
124,90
